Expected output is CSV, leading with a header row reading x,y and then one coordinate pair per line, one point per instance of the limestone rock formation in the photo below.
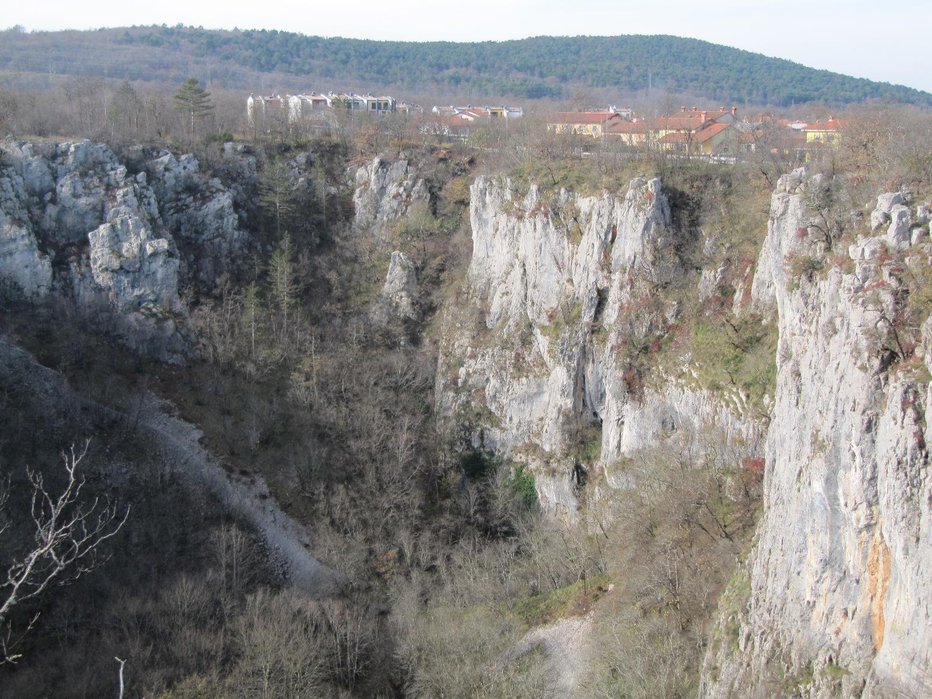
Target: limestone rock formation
x,y
200,214
75,222
532,360
835,599
398,293
22,263
385,191
880,216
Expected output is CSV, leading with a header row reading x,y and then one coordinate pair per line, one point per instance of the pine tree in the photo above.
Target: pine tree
x,y
275,194
194,102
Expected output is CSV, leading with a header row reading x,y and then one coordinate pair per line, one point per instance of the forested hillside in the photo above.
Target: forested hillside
x,y
539,67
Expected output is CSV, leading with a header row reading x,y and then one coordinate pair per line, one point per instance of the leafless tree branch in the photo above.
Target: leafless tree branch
x,y
68,533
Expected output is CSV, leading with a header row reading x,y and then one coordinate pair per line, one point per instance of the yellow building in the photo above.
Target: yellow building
x,y
593,124
631,133
828,132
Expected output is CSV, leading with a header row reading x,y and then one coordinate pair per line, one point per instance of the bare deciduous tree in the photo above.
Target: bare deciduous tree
x,y
68,532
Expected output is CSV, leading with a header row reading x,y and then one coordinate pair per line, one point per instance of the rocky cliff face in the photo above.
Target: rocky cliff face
x,y
75,223
836,597
534,359
539,362
386,191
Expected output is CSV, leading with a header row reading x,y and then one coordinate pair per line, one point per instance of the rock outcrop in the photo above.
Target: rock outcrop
x,y
200,213
400,289
385,192
835,599
74,222
23,265
533,359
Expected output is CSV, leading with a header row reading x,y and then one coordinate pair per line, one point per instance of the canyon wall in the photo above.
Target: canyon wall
x,y
835,599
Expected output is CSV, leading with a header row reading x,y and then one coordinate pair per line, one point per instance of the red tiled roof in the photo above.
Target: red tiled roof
x,y
628,127
453,120
679,123
674,137
832,124
710,131
700,136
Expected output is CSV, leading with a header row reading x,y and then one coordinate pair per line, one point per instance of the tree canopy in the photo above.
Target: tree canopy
x,y
538,67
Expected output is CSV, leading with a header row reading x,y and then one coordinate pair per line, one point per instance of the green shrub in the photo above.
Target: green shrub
x,y
525,487
804,266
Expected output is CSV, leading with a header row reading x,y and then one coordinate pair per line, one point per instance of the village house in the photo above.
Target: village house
x,y
707,140
631,133
693,131
592,124
456,123
691,121
300,106
471,113
259,109
824,133
449,127
296,108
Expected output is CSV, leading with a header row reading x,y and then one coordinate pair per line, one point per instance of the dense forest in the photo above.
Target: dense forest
x,y
534,68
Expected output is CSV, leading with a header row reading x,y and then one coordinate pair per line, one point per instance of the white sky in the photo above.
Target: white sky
x,y
863,38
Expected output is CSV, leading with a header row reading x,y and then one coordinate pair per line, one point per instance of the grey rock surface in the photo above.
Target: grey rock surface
x,y
898,233
529,354
839,594
74,222
400,288
880,216
386,191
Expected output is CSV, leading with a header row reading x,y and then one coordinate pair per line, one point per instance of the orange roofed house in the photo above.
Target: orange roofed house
x,y
695,131
594,124
704,141
826,132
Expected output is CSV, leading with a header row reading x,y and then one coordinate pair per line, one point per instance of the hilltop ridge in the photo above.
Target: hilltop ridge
x,y
535,68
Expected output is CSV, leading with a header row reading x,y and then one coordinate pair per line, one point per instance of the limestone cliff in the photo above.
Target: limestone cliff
x,y
835,599
75,223
535,358
386,191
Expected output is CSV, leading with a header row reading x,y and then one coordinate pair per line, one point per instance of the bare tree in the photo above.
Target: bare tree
x,y
68,532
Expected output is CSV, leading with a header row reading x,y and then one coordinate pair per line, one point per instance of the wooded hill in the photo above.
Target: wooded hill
x,y
535,68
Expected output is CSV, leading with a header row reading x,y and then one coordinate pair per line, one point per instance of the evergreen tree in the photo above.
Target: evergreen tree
x,y
194,102
275,194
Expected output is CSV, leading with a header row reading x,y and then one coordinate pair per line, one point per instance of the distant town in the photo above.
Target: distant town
x,y
719,132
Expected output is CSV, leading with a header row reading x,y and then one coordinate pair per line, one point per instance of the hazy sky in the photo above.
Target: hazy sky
x,y
856,37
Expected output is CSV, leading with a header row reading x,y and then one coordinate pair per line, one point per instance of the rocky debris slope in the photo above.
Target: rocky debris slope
x,y
75,223
533,359
835,599
567,645
179,452
287,542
